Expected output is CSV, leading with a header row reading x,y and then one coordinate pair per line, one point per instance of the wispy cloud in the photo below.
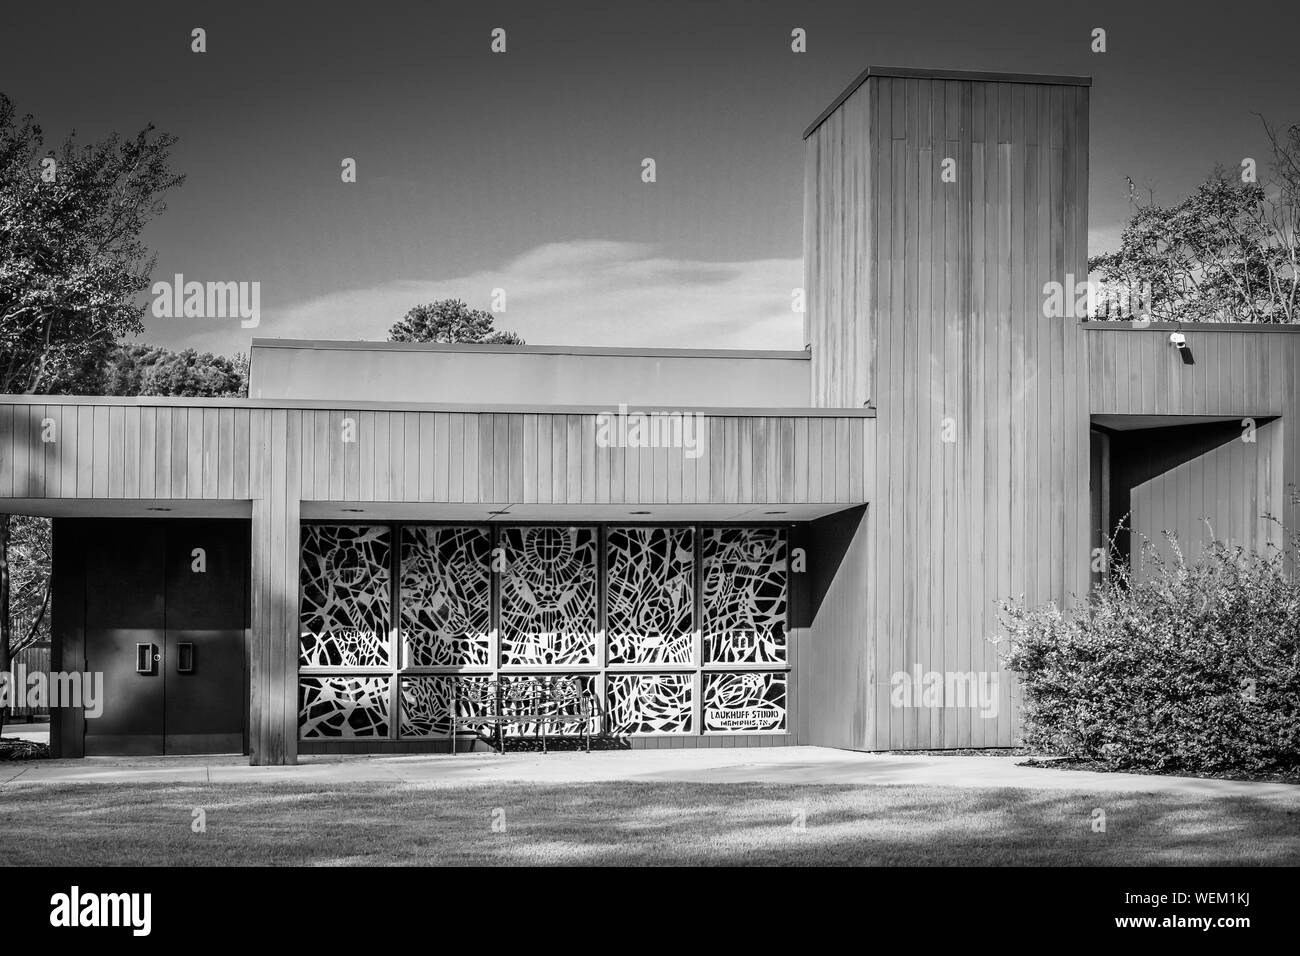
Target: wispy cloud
x,y
570,293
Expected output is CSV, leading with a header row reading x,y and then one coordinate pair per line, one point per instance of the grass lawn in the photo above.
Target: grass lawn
x,y
631,823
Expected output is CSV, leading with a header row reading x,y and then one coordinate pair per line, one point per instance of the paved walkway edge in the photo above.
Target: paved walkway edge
x,y
784,766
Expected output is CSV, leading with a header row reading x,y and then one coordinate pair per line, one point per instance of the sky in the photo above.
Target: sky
x,y
521,170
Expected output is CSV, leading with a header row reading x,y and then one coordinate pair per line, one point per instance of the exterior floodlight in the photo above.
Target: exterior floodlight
x,y
1178,340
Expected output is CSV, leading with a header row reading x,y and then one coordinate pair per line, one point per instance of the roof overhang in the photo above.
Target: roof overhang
x,y
967,76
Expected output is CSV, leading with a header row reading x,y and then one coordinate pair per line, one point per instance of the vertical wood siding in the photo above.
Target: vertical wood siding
x,y
219,453
1233,493
951,278
1237,373
837,243
830,672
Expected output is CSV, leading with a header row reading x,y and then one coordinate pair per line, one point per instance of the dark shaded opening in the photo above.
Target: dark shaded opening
x,y
1122,459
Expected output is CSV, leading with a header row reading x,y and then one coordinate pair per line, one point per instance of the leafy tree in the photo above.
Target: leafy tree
x,y
1229,252
29,579
450,320
151,370
72,268
72,265
24,586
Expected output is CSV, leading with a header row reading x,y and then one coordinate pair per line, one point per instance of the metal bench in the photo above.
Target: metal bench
x,y
541,703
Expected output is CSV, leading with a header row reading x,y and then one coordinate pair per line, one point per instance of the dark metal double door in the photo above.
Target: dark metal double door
x,y
166,618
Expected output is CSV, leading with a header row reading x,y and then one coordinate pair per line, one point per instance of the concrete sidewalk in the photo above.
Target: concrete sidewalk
x,y
778,765
37,733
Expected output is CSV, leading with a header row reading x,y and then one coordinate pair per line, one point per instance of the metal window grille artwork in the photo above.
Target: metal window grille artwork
x,y
747,702
548,596
521,692
349,707
446,596
651,595
344,594
672,630
744,595
428,702
651,703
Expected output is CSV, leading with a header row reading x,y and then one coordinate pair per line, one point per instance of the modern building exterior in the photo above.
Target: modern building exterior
x,y
725,548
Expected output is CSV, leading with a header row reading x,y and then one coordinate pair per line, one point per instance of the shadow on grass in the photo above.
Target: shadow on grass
x,y
634,824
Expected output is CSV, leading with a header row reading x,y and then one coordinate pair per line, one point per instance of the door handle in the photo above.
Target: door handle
x,y
146,656
185,658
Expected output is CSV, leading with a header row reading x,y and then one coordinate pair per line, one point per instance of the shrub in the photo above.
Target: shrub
x,y
1193,668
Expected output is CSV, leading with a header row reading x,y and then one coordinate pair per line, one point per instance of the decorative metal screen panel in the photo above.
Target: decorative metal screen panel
x,y
515,691
342,707
427,702
345,605
548,616
650,588
748,702
744,595
548,596
650,703
446,596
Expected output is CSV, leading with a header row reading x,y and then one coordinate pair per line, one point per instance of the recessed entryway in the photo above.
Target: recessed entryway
x,y
165,612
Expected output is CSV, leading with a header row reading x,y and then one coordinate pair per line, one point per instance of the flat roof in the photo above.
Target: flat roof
x,y
365,346
1044,79
169,401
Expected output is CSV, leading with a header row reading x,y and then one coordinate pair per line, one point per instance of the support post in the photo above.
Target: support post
x,y
273,655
